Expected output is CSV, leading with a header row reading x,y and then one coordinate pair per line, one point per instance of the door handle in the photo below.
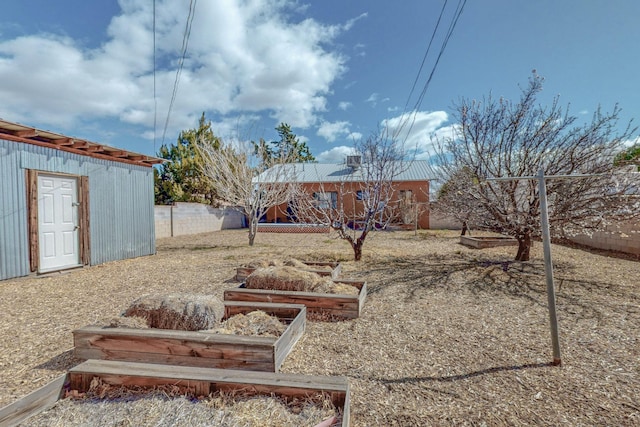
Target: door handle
x,y
77,227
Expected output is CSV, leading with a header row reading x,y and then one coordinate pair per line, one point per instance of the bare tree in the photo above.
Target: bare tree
x,y
498,138
363,199
234,168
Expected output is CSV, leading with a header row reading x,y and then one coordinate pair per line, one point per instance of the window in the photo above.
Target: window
x,y
361,195
326,200
406,196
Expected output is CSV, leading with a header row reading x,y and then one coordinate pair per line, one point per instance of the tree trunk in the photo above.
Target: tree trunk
x,y
253,230
357,245
357,250
524,247
464,228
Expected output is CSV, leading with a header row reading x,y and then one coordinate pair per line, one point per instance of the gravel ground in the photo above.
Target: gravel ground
x,y
449,335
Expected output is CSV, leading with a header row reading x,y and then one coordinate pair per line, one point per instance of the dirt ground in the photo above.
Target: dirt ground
x,y
449,335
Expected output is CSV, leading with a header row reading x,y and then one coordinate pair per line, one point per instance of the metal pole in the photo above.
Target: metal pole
x,y
548,267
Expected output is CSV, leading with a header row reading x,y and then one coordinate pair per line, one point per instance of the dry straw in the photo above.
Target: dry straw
x,y
293,279
185,312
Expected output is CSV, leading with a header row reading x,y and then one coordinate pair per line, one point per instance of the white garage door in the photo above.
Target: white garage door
x,y
57,222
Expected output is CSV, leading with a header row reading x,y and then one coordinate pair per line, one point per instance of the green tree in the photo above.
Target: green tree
x,y
181,178
288,147
630,156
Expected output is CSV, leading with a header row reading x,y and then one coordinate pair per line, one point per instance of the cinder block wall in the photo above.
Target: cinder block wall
x,y
623,238
441,222
193,218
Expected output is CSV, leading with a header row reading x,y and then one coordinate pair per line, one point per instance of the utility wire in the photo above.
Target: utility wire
x,y
424,59
155,99
452,26
185,44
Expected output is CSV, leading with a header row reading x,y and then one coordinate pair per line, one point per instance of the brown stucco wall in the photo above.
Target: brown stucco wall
x,y
347,196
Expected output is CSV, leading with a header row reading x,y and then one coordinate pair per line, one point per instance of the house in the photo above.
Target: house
x,y
67,202
343,184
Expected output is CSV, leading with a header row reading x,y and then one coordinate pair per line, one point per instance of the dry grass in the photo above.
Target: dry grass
x,y
449,335
254,323
182,312
168,406
291,278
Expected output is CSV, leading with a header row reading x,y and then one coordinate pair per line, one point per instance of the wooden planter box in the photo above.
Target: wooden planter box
x,y
200,381
481,242
335,305
314,267
200,349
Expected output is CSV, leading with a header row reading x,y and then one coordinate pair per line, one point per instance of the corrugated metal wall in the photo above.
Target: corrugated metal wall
x,y
120,204
14,244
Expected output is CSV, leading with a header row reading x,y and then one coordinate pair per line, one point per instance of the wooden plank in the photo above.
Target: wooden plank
x,y
243,272
195,344
482,242
200,381
189,348
166,359
84,221
285,312
218,376
346,306
41,399
32,212
289,338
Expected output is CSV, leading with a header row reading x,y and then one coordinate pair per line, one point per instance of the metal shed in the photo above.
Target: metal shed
x,y
67,202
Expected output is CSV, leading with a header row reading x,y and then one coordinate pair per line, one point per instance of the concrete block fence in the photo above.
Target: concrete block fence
x,y
193,218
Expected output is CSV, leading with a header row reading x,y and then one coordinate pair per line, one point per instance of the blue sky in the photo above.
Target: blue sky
x,y
334,70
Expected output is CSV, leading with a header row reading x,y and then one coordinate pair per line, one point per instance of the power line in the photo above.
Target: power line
x,y
155,99
185,44
452,25
424,59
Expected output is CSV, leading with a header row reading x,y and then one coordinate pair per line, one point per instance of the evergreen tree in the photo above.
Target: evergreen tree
x,y
181,178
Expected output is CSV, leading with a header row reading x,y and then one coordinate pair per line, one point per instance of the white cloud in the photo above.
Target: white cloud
x,y
335,155
243,57
351,22
373,99
417,129
331,131
354,136
631,142
344,105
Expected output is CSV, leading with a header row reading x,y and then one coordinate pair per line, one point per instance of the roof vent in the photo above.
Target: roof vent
x,y
354,161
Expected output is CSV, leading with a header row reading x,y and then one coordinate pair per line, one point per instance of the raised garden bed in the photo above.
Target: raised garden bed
x,y
198,381
323,268
318,304
200,349
481,242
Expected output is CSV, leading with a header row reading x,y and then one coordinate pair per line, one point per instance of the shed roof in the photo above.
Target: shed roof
x,y
416,170
29,135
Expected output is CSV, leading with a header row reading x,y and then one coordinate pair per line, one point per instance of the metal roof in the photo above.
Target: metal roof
x,y
29,135
416,170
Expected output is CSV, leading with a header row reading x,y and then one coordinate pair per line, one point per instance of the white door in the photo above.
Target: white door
x,y
58,233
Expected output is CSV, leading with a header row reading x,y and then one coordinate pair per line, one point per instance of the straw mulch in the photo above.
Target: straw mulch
x,y
183,312
254,323
288,278
168,406
289,262
448,335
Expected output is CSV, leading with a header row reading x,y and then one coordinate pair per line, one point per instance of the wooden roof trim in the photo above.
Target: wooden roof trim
x,y
20,133
89,151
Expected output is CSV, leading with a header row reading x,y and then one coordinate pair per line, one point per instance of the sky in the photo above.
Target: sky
x,y
336,71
